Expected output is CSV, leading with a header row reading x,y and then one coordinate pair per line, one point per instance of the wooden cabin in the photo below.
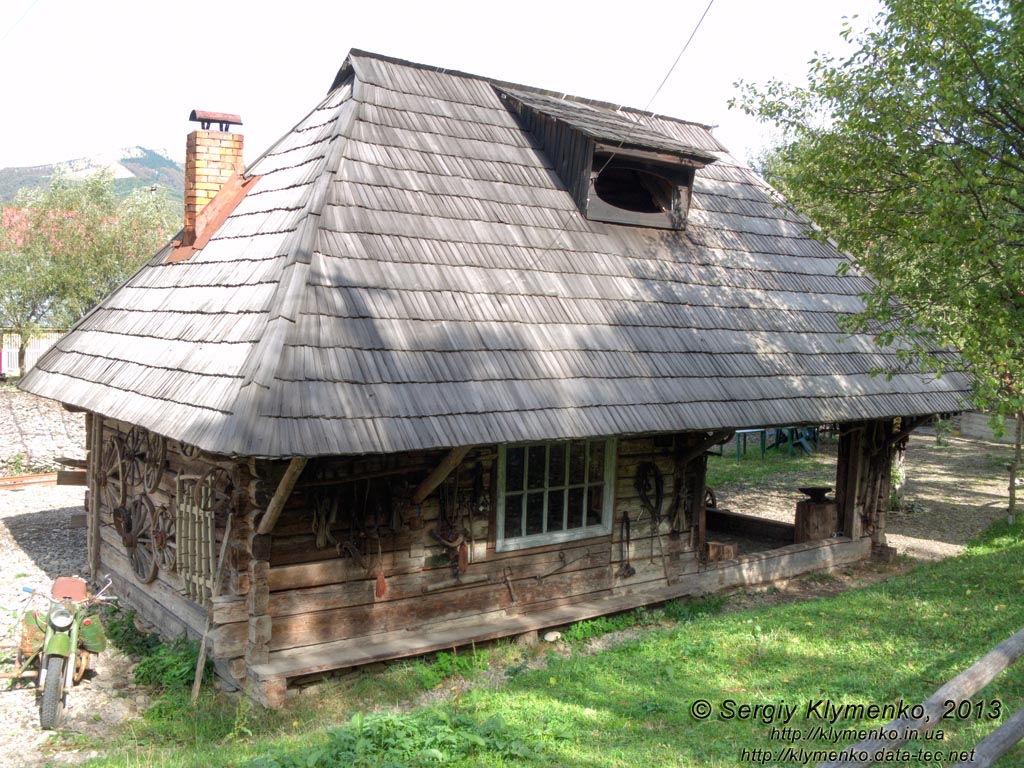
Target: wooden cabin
x,y
444,365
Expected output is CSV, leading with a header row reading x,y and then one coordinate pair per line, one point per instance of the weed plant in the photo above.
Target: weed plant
x,y
448,665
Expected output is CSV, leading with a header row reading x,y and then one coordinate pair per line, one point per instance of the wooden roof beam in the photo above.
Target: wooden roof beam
x,y
440,472
284,490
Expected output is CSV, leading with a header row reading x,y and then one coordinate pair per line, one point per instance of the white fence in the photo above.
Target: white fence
x,y
9,352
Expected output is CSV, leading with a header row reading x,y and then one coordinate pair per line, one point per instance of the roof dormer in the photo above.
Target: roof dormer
x,y
616,168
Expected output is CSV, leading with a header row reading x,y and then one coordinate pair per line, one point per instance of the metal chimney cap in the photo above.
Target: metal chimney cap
x,y
205,118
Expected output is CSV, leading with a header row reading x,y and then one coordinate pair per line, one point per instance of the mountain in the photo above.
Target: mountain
x,y
133,168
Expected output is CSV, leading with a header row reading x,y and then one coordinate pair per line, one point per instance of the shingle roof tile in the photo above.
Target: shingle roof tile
x,y
409,272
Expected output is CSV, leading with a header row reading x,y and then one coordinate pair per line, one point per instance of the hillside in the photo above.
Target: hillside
x,y
133,168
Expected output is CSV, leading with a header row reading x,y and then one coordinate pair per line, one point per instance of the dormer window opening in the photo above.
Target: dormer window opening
x,y
637,191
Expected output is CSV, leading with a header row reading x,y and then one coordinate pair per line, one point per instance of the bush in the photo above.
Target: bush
x,y
171,666
122,632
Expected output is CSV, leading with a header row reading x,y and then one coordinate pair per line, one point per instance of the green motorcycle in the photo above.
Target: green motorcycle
x,y
60,640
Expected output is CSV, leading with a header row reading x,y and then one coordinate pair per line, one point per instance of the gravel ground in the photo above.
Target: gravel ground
x,y
37,543
954,491
35,432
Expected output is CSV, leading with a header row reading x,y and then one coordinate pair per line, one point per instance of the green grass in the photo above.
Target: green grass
x,y
776,466
630,705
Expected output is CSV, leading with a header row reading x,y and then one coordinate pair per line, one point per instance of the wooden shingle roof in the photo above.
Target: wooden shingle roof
x,y
410,272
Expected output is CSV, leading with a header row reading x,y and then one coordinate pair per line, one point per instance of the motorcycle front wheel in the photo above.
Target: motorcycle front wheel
x,y
52,709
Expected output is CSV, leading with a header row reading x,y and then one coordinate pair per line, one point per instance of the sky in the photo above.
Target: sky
x,y
86,78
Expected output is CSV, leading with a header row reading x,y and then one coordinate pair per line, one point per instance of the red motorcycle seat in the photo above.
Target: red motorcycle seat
x,y
69,588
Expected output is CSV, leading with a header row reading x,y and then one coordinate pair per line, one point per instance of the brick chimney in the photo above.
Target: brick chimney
x,y
212,159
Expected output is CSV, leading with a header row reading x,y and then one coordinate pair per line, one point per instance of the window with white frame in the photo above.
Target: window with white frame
x,y
552,492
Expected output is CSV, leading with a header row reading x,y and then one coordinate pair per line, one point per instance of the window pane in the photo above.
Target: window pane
x,y
575,508
596,461
577,461
534,513
513,515
556,465
595,499
536,464
556,508
514,469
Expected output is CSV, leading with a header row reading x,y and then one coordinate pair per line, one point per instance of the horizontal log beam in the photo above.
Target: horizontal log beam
x,y
713,439
997,743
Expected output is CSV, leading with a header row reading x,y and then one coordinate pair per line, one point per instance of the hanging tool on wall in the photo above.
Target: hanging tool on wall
x,y
447,531
563,564
650,486
625,569
508,583
325,515
381,586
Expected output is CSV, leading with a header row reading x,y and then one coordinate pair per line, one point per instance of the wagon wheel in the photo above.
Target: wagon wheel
x,y
139,539
188,450
111,476
165,538
134,456
710,500
153,461
212,491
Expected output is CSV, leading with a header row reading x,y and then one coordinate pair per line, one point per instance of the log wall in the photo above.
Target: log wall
x,y
161,600
351,556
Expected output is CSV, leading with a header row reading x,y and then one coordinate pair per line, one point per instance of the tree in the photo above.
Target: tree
x,y
910,154
64,248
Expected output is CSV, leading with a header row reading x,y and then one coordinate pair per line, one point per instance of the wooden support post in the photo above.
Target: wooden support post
x,y
962,687
94,444
257,648
848,477
284,490
440,472
700,487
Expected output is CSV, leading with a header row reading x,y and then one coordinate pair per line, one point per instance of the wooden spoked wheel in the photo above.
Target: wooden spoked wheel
x,y
111,476
138,538
165,538
153,461
710,500
134,456
213,490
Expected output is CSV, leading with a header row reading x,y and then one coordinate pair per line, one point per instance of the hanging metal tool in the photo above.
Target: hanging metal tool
x,y
625,569
650,486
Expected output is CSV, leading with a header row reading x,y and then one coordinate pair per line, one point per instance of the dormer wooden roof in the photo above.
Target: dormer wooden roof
x,y
411,272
